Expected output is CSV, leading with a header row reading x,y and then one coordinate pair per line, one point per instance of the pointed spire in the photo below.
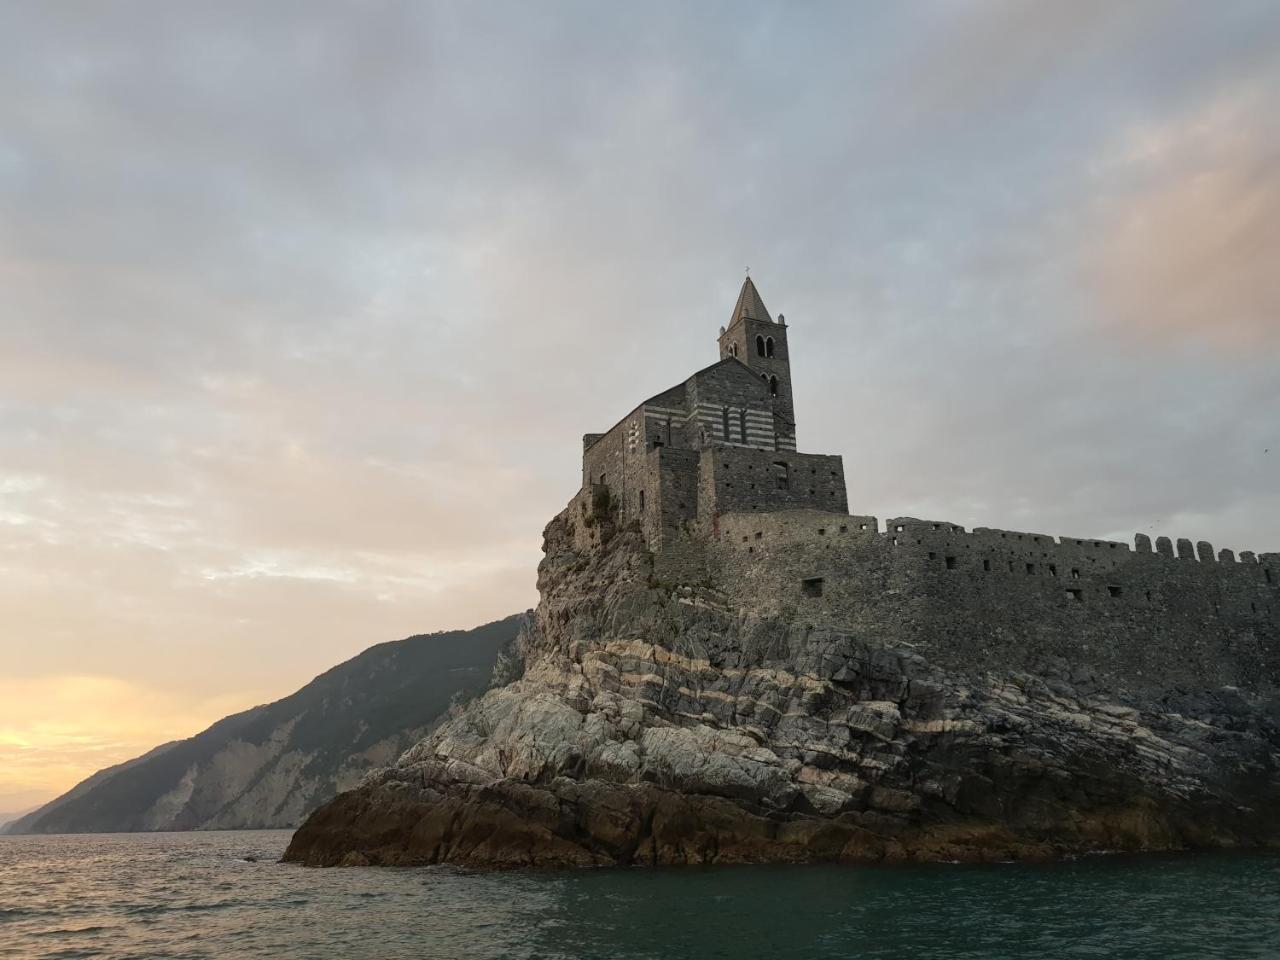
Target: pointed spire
x,y
749,305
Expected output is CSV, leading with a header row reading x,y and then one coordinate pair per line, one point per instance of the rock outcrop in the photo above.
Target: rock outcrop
x,y
662,723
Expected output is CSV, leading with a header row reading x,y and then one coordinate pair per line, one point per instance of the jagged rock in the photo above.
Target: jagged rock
x,y
663,726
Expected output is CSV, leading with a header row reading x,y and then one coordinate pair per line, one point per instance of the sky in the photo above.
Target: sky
x,y
305,307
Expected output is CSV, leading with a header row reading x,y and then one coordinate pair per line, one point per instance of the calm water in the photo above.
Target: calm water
x,y
224,895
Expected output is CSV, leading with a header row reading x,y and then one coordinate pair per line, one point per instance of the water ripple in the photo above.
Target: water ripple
x,y
224,895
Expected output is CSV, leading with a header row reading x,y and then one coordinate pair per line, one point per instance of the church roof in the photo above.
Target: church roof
x,y
749,305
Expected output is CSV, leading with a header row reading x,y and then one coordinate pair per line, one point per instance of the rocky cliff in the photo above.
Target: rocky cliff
x,y
273,764
664,723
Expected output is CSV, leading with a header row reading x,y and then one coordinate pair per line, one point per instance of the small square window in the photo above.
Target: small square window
x,y
1031,569
1074,593
1113,590
951,563
811,586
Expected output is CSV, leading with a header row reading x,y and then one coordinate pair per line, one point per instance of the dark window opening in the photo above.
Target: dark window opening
x,y
1148,596
759,535
950,562
1267,571
768,347
986,565
932,555
1011,566
1031,569
742,423
642,501
1074,594
782,474
1253,606
1075,574
773,386
1053,570
1216,609
725,418
844,529
811,586
1114,591
759,346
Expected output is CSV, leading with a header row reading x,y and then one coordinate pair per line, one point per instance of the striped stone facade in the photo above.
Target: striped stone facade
x,y
659,466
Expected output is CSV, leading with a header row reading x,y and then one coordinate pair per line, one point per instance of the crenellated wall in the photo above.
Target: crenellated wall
x,y
1005,597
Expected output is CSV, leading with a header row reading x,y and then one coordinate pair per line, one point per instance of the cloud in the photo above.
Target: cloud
x,y
57,730
304,309
1189,251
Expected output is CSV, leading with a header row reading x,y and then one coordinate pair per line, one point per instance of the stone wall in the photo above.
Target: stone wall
x,y
671,493
996,597
747,481
731,387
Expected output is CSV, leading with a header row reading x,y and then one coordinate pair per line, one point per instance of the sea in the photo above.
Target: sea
x,y
226,895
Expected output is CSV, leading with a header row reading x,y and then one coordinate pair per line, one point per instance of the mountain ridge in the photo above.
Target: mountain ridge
x,y
269,765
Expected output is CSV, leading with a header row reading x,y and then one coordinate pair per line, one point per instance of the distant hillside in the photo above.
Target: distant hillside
x,y
271,765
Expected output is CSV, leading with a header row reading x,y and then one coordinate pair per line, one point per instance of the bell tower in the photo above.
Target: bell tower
x,y
752,337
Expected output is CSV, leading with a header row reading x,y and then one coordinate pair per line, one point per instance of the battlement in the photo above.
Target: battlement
x,y
708,470
1009,596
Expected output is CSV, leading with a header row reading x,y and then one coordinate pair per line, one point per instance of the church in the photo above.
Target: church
x,y
723,441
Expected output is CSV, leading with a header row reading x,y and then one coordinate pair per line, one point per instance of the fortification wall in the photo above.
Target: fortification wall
x,y
736,480
670,502
995,598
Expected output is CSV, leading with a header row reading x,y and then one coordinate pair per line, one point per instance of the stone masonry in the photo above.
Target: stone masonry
x,y
709,472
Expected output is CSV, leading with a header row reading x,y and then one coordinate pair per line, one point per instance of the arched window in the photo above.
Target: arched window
x,y
759,346
733,349
768,347
725,413
782,475
773,386
742,422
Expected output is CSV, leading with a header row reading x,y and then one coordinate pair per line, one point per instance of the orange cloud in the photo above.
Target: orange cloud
x,y
1189,250
57,730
